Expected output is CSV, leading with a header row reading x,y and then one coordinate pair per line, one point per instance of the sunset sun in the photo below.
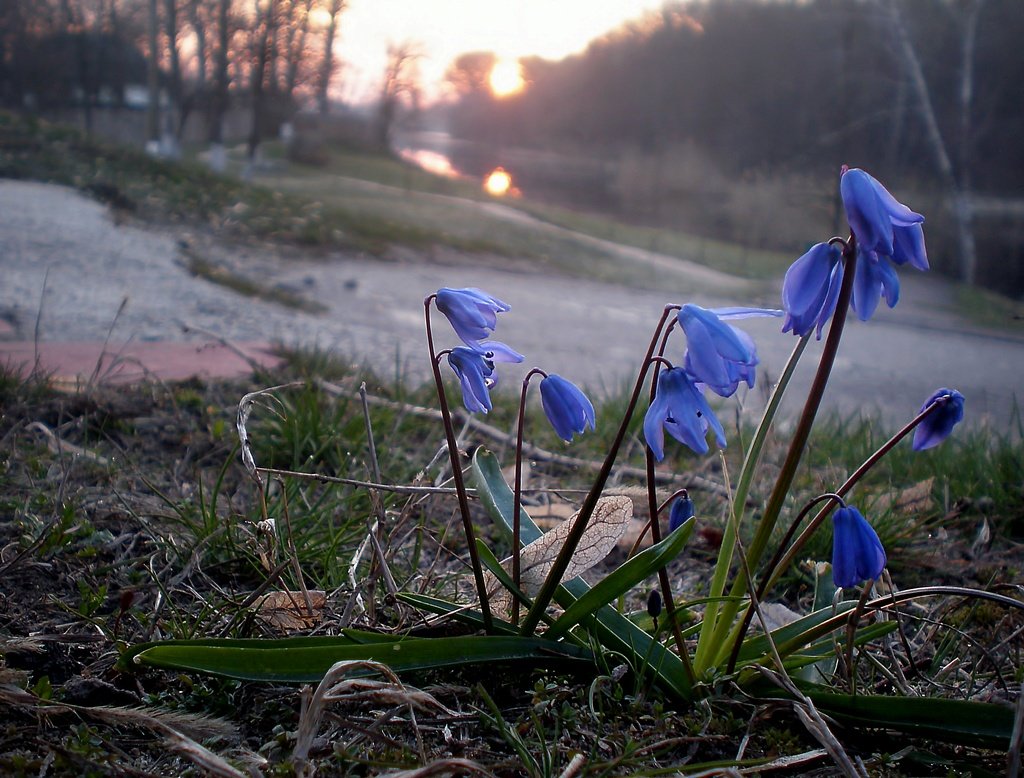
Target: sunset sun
x,y
506,78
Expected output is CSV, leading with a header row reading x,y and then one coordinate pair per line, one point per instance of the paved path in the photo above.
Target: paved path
x,y
65,259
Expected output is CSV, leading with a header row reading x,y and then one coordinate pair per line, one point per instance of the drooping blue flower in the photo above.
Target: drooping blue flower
x,y
874,278
811,289
566,407
857,553
680,407
940,422
476,377
874,214
471,312
681,511
718,354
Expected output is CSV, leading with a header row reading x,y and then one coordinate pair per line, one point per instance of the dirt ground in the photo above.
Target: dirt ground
x,y
69,264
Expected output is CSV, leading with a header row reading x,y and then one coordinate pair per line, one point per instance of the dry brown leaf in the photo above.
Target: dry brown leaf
x,y
913,499
288,611
608,524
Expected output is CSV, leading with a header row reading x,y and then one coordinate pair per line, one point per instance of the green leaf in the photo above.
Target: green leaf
x,y
613,630
798,634
624,578
979,724
299,662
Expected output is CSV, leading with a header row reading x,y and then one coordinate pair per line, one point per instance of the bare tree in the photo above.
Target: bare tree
x,y
334,9
958,181
153,77
401,83
297,30
266,24
219,102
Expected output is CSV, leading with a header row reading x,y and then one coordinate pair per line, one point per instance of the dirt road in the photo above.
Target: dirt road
x,y
65,260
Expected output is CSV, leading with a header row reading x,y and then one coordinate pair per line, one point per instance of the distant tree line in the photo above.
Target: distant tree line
x,y
926,92
202,55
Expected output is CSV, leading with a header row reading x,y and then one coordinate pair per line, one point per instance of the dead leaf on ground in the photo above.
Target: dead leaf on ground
x,y
288,611
913,499
608,524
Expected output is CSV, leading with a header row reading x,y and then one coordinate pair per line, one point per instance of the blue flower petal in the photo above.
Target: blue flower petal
x,y
865,211
471,312
474,373
681,511
899,214
496,351
567,408
681,409
940,422
857,553
867,285
908,246
806,281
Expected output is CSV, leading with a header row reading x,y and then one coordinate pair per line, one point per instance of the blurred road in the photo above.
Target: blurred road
x,y
66,261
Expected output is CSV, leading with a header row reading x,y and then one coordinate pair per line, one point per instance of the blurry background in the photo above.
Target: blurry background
x,y
724,119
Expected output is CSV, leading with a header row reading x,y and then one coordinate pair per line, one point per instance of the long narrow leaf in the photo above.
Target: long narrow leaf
x,y
306,664
614,631
979,724
460,613
624,578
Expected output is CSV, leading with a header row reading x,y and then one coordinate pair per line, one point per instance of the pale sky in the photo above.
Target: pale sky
x,y
551,29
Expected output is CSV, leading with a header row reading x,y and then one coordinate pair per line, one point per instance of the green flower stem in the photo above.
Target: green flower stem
x,y
561,563
779,564
718,643
460,484
517,491
750,463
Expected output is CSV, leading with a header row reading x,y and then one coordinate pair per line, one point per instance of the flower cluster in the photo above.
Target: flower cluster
x,y
718,357
473,315
886,234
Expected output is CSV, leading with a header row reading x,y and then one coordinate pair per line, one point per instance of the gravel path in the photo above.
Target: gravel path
x,y
67,256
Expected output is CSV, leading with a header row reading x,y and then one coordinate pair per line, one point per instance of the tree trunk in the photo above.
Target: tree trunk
x,y
264,32
174,85
961,205
327,65
219,103
153,81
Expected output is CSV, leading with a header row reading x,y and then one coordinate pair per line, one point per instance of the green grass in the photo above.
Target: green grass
x,y
988,309
188,191
731,258
184,544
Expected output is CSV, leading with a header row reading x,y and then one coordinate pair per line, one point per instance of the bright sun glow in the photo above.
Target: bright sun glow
x,y
498,182
319,18
506,78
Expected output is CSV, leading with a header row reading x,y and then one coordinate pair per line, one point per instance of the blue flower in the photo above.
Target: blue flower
x,y
680,512
471,312
475,374
939,423
857,553
718,354
811,289
679,407
874,277
567,408
875,215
